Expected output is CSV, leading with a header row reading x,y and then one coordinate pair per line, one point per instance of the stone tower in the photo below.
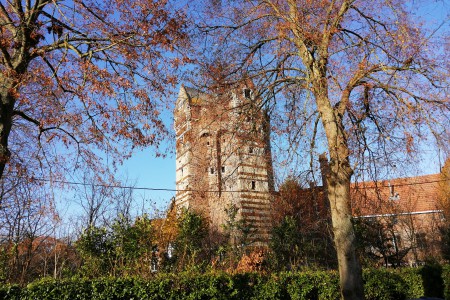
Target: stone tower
x,y
223,158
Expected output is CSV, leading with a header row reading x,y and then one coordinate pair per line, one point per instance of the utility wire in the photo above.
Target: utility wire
x,y
205,191
121,186
401,184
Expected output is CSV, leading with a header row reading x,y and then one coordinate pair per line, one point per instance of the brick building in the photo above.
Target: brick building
x,y
409,212
398,221
223,158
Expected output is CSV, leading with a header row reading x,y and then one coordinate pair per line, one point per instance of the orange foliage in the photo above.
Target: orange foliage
x,y
40,256
166,230
82,77
252,262
307,206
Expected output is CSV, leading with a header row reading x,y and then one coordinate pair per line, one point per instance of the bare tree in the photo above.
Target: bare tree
x,y
94,199
368,78
25,226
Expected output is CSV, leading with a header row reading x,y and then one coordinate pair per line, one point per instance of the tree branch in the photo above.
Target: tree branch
x,y
26,117
8,22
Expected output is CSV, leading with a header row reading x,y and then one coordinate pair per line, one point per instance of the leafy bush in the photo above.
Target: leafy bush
x,y
446,277
270,288
48,288
10,292
384,284
381,284
413,280
432,280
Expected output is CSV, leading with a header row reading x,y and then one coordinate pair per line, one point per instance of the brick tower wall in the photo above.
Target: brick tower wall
x,y
223,158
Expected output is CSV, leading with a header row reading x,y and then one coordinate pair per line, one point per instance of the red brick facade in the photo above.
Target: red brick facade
x,y
401,195
223,158
410,210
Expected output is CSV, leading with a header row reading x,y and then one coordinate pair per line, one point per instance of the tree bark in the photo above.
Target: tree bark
x,y
350,272
6,116
338,192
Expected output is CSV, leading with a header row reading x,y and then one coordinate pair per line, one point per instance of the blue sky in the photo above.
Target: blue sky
x,y
159,173
152,172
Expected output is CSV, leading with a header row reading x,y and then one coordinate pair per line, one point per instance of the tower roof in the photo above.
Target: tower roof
x,y
195,96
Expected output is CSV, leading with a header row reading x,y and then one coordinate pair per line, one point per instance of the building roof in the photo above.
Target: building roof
x,y
401,195
195,96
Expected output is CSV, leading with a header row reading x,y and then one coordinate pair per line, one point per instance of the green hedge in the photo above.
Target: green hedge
x,y
433,282
413,281
446,278
381,284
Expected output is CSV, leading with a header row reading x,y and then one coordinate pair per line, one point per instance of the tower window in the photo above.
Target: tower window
x,y
253,185
223,169
212,170
205,135
250,149
247,93
393,195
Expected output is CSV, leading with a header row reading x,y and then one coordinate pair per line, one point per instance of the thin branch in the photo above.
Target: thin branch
x,y
58,22
9,22
26,117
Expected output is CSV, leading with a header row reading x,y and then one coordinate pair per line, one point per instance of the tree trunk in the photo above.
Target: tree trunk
x,y
338,191
350,272
6,114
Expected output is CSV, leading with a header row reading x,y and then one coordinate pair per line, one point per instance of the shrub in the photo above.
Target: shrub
x,y
384,284
48,288
10,291
271,288
432,280
413,280
381,284
446,277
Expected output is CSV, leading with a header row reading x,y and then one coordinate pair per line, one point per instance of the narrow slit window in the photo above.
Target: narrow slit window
x,y
223,169
253,185
250,150
247,93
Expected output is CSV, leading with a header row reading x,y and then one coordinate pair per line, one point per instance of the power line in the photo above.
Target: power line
x,y
122,186
400,184
204,191
97,184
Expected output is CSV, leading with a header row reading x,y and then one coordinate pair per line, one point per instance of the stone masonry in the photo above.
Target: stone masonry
x,y
223,158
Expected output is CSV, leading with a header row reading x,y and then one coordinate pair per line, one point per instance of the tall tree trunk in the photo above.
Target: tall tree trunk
x,y
6,114
338,183
344,238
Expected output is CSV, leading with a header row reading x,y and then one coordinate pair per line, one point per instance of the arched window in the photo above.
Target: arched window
x,y
205,135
